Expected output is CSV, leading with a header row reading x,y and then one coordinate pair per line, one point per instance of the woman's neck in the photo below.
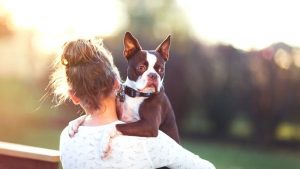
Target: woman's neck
x,y
105,115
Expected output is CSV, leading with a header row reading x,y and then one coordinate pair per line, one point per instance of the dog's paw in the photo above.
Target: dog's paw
x,y
74,125
106,151
106,144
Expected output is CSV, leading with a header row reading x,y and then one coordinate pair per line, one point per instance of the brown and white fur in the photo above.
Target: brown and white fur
x,y
145,74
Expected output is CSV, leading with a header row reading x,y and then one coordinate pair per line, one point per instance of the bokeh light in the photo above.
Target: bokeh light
x,y
56,21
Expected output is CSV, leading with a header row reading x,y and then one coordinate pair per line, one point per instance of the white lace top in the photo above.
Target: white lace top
x,y
128,152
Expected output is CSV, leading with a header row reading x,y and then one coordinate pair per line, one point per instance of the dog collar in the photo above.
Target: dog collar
x,y
134,93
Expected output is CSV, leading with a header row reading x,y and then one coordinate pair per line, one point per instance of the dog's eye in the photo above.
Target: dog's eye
x,y
141,68
160,69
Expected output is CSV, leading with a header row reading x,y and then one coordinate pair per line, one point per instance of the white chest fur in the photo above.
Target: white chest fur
x,y
131,108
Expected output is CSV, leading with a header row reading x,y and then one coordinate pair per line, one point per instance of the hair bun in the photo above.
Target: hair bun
x,y
79,52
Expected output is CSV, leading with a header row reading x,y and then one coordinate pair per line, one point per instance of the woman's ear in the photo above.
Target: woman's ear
x,y
74,98
117,85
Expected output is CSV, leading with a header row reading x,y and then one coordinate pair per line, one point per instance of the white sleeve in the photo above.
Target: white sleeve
x,y
63,148
164,151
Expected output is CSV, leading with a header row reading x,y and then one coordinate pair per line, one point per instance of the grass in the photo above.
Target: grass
x,y
225,156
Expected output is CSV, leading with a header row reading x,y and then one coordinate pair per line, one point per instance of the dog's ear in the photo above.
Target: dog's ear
x,y
164,48
131,45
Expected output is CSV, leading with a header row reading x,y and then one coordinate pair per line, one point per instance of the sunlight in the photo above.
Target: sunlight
x,y
282,59
55,21
244,24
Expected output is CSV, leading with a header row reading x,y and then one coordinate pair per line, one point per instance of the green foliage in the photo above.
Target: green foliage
x,y
196,122
155,19
241,127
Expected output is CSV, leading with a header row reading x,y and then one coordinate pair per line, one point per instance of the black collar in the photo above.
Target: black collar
x,y
134,93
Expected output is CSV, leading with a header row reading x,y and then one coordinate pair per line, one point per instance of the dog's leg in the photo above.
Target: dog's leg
x,y
74,125
147,126
106,143
169,126
139,128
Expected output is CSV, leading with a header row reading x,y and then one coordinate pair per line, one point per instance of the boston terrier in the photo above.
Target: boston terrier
x,y
146,107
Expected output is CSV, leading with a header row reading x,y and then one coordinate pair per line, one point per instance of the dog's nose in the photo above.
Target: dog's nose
x,y
152,76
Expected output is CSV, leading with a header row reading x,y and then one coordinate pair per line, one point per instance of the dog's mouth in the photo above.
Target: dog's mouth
x,y
151,87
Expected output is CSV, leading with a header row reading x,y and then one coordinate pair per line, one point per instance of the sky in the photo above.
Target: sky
x,y
252,24
56,21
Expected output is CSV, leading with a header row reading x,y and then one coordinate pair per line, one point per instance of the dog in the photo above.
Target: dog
x,y
146,107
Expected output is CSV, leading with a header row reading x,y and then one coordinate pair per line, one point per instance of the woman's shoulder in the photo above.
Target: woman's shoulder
x,y
161,142
100,133
64,134
88,131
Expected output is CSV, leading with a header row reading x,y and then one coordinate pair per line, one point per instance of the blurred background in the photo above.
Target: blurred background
x,y
233,77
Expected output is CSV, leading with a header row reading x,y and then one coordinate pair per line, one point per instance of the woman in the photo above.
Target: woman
x,y
85,73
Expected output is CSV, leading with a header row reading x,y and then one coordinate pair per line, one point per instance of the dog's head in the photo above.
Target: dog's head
x,y
146,68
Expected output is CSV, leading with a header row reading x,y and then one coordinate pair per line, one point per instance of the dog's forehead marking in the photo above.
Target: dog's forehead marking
x,y
151,58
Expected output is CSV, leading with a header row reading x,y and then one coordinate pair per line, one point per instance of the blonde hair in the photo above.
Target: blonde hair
x,y
85,68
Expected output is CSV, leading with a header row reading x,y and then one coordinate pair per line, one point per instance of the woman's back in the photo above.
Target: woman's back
x,y
84,151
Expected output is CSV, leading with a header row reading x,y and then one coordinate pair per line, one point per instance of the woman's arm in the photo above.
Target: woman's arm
x,y
164,151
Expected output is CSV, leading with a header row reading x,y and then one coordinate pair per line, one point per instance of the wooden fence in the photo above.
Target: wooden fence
x,y
16,156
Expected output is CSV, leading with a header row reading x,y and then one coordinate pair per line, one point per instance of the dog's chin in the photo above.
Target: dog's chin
x,y
151,88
